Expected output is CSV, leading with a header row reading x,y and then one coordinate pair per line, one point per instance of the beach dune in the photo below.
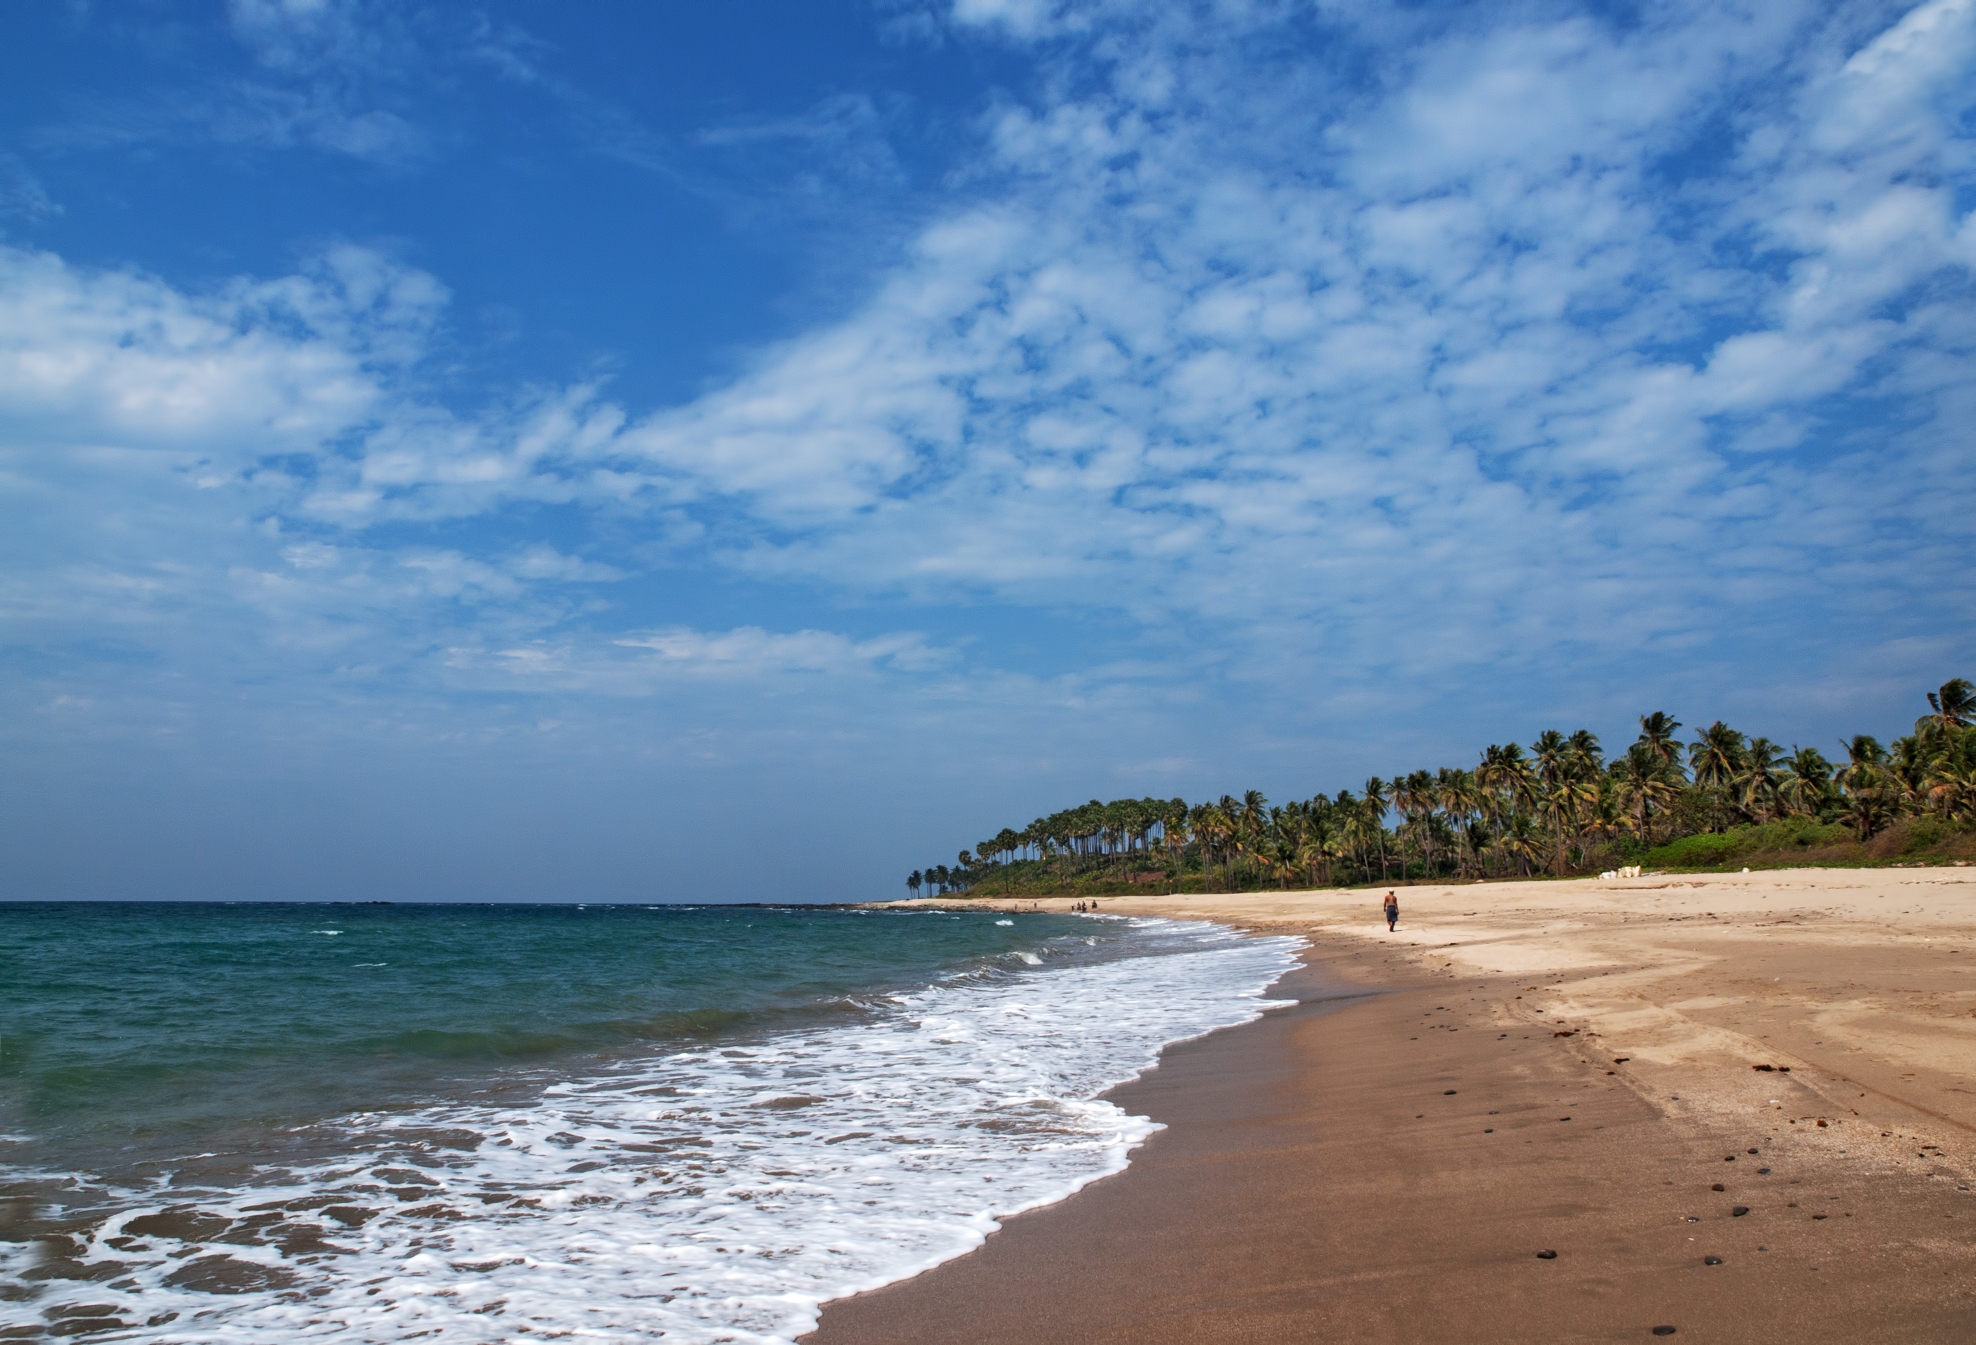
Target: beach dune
x,y
1740,1105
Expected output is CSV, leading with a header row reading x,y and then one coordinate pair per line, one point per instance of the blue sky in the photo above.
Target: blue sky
x,y
615,452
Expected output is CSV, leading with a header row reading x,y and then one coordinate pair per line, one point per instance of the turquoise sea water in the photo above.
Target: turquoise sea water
x,y
374,1122
154,1022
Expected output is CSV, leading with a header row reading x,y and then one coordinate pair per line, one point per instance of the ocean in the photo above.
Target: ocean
x,y
459,1124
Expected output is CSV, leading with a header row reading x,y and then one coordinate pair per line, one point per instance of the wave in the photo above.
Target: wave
x,y
720,1192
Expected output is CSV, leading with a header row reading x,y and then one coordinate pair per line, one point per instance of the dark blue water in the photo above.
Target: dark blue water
x,y
162,1022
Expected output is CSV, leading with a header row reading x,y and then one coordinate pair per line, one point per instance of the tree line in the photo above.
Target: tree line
x,y
1559,807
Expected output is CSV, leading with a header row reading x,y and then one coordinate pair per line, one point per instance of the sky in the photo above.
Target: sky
x,y
630,451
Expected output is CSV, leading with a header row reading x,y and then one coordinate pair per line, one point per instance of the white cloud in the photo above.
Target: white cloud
x,y
21,194
250,370
1558,338
752,651
1155,373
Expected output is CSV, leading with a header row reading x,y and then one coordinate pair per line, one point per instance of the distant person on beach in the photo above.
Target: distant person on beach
x,y
1392,912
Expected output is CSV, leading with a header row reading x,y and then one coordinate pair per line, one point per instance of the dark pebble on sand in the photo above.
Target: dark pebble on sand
x,y
1763,1172
1489,1130
1547,1255
1752,1150
1718,1187
1711,1260
1663,1330
1449,1093
1730,1159
1739,1211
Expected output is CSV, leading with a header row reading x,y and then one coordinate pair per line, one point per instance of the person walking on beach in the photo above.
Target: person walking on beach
x,y
1392,912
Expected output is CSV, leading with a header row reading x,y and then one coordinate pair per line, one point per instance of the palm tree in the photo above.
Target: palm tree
x,y
1643,780
1254,831
1519,841
1509,809
1567,774
1414,797
1956,786
1604,813
912,882
1716,758
1906,769
1757,781
1657,734
1804,784
1865,811
1454,790
1376,797
1214,826
1173,837
1865,761
1954,706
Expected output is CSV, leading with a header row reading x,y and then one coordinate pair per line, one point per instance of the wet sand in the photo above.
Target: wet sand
x,y
1386,1160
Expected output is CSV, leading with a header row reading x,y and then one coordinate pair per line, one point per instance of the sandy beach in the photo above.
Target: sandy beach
x,y
1742,1106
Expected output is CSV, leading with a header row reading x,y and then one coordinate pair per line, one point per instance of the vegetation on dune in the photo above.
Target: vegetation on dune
x,y
1559,808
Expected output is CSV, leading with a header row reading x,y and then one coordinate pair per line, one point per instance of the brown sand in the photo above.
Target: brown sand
x,y
1317,1180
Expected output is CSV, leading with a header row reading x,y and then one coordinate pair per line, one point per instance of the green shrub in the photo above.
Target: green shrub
x,y
1923,833
1695,852
1800,832
1785,835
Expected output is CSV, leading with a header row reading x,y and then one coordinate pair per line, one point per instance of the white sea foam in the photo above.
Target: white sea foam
x,y
717,1195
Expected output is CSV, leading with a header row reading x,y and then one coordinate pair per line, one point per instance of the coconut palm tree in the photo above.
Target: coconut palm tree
x,y
1865,810
1510,809
1954,706
1756,783
1657,734
1550,759
1645,781
1603,815
1805,780
1957,782
1455,791
1174,836
1520,841
1377,798
1716,758
1906,770
1951,780
1215,827
1504,777
1866,760
1414,797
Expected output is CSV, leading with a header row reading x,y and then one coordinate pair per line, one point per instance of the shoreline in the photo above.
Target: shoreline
x,y
1352,1200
